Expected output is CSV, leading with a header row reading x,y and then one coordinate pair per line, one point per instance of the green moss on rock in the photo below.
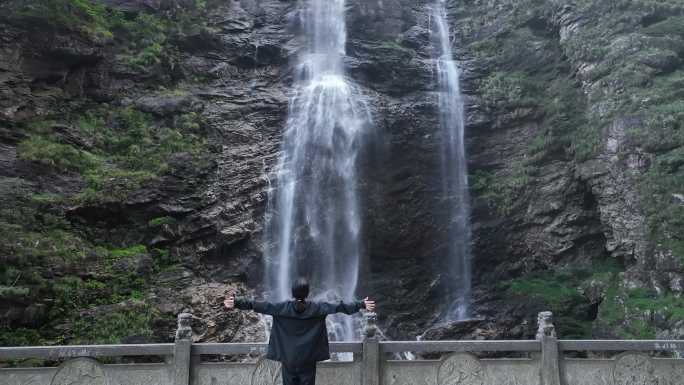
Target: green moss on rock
x,y
129,149
114,324
87,16
631,313
563,291
663,190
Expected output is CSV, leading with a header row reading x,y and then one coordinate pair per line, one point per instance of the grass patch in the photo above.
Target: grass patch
x,y
64,157
161,221
565,126
133,140
672,26
547,88
128,252
89,17
111,184
143,38
659,188
146,38
73,294
38,242
501,190
129,149
560,296
8,292
509,90
586,142
20,337
44,246
561,291
112,327
44,259
630,314
553,293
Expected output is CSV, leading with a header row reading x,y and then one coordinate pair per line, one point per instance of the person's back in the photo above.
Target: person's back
x,y
299,336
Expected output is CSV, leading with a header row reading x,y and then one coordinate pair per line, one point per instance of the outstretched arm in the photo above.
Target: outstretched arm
x,y
347,307
244,304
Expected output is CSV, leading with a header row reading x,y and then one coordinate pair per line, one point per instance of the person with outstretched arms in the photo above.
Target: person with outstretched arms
x,y
299,336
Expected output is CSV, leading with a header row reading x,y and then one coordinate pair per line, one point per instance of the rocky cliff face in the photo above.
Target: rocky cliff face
x,y
138,141
576,189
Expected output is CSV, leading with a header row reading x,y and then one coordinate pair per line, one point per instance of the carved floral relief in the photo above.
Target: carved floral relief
x,y
634,369
461,369
80,371
267,372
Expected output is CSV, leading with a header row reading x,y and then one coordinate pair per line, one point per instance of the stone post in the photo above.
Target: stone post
x,y
546,334
370,370
181,350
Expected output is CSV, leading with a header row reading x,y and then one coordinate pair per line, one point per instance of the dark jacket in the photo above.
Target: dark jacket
x,y
298,338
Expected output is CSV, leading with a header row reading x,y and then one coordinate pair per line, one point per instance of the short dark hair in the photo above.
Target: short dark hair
x,y
300,288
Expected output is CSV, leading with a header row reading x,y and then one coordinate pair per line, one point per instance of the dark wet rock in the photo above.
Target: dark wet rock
x,y
389,68
461,330
69,135
415,37
8,159
167,105
200,41
69,51
135,5
662,61
141,264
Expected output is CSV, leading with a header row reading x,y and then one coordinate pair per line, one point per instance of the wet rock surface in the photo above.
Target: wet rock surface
x,y
538,206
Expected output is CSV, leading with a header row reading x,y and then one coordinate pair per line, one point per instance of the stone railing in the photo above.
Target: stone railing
x,y
373,363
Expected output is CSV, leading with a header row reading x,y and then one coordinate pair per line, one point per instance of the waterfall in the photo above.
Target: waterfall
x,y
454,168
312,221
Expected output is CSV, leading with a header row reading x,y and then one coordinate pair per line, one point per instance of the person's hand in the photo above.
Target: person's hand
x,y
229,302
369,303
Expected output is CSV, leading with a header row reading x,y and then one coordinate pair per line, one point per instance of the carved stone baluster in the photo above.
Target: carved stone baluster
x,y
371,327
181,351
546,334
371,352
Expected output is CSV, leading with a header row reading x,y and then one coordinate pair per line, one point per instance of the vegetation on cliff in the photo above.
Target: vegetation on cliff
x,y
601,82
68,282
583,98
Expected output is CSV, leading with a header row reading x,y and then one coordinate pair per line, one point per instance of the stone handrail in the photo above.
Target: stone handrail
x,y
371,364
622,345
71,351
249,348
58,352
460,346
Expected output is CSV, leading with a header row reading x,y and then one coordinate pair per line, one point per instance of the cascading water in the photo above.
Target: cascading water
x,y
313,222
454,167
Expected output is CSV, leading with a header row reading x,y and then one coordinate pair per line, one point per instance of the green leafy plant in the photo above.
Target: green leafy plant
x,y
20,337
64,157
501,189
112,327
659,188
87,16
129,149
630,312
161,221
146,36
128,252
561,289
